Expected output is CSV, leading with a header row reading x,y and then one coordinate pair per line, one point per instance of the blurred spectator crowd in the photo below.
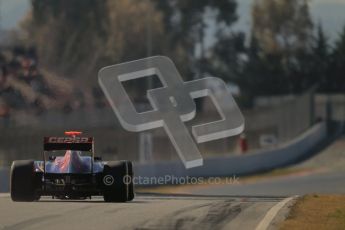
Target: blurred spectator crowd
x,y
19,67
24,88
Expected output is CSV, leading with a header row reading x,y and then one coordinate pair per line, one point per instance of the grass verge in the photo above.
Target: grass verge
x,y
317,212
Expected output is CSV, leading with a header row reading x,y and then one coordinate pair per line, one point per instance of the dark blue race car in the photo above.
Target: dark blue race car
x,y
69,170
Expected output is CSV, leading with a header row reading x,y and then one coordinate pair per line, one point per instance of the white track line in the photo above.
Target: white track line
x,y
266,221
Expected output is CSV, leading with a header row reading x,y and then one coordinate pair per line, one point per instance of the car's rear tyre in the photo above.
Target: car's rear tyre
x,y
118,181
22,181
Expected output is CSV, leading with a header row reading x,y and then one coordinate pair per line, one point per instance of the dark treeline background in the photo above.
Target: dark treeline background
x,y
286,53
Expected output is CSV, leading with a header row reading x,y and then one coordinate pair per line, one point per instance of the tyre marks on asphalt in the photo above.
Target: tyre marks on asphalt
x,y
213,215
221,213
173,219
145,212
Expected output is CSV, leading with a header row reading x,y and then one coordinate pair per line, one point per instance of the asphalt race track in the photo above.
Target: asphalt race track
x,y
254,206
257,206
148,211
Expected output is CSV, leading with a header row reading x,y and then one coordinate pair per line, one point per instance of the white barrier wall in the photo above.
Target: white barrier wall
x,y
246,164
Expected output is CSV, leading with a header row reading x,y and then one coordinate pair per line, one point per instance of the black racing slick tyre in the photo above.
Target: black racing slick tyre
x,y
22,181
118,181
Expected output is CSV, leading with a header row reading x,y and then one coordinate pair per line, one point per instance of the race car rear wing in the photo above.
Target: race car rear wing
x,y
68,143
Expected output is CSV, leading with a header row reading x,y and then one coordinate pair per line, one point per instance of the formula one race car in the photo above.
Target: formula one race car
x,y
70,170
